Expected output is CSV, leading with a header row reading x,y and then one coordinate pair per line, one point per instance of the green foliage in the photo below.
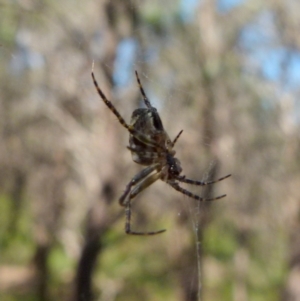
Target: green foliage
x,y
127,263
61,265
17,296
220,241
8,24
17,243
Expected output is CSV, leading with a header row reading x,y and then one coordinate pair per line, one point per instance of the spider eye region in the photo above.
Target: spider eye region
x,y
174,165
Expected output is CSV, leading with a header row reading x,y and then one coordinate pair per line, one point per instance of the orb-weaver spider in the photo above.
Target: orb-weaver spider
x,y
151,146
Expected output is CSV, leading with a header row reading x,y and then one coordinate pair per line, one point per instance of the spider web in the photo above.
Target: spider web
x,y
196,213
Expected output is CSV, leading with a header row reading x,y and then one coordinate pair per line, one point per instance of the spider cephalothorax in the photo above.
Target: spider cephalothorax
x,y
150,145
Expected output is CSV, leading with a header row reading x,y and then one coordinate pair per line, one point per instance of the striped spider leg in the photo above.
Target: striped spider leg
x,y
151,146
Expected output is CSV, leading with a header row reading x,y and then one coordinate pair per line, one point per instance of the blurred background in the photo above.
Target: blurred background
x,y
227,72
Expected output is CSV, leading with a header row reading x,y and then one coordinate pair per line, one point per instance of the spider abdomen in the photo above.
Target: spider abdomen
x,y
147,122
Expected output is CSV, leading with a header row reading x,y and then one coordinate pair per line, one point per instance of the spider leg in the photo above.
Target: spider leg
x,y
150,155
193,196
176,138
146,100
183,179
141,137
128,225
135,180
139,188
144,184
110,105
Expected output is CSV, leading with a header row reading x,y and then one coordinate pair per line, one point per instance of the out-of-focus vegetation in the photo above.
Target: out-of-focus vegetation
x,y
226,74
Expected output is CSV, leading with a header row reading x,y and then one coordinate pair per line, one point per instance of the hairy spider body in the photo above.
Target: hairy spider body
x,y
149,123
151,146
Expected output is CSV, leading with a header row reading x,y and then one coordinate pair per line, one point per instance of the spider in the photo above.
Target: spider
x,y
151,146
